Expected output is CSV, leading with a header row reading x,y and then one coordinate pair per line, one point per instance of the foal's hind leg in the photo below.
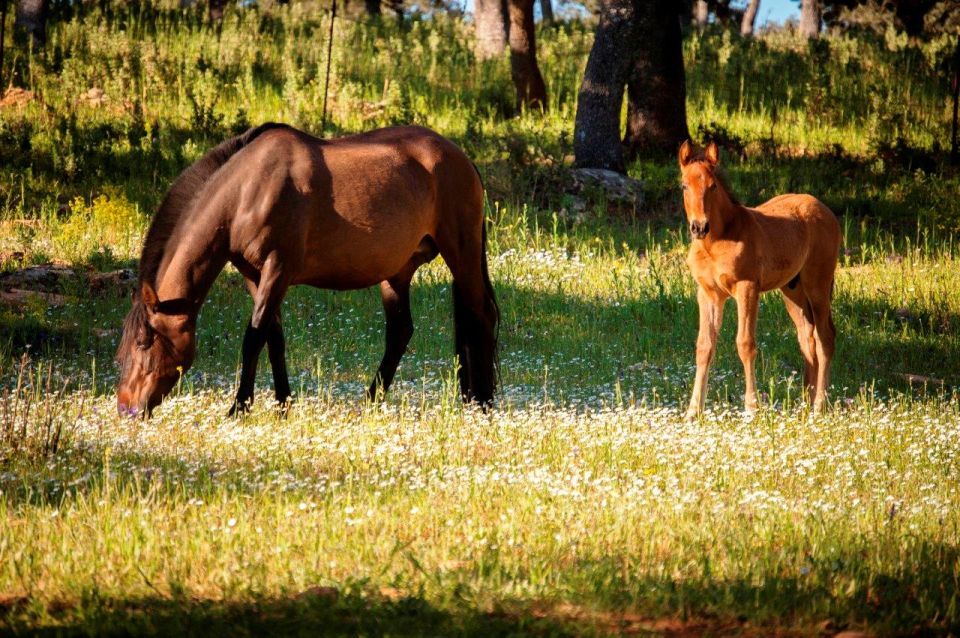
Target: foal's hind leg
x,y
266,304
825,338
798,307
747,294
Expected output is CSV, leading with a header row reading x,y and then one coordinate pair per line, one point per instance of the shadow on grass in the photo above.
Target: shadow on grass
x,y
322,612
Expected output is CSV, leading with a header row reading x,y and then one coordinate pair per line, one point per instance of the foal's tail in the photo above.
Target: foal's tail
x,y
182,192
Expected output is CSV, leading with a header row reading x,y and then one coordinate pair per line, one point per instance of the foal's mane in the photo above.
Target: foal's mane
x,y
181,194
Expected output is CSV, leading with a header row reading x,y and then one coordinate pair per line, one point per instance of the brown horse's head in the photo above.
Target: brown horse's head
x,y
701,196
157,347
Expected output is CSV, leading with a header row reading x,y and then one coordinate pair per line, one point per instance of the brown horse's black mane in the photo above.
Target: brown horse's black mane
x,y
181,194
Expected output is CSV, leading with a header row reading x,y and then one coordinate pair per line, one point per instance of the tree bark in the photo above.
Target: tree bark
x,y
372,7
531,91
490,20
32,18
656,88
810,18
3,32
546,11
216,9
701,12
596,133
749,17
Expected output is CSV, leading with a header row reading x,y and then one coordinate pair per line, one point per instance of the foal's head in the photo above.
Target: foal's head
x,y
158,345
704,195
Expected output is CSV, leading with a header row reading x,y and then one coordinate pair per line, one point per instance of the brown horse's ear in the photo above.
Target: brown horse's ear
x,y
712,153
149,297
686,153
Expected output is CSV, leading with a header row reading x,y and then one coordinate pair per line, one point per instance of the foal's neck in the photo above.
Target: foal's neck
x,y
194,255
726,215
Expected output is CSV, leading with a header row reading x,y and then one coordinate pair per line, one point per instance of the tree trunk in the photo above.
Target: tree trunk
x,y
32,18
3,32
216,9
810,18
656,88
596,132
490,20
372,6
749,17
531,91
701,12
546,11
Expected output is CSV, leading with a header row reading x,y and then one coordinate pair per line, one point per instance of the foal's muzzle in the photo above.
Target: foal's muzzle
x,y
699,229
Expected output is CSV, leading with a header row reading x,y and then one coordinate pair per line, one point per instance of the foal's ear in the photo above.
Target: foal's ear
x,y
686,153
149,297
712,153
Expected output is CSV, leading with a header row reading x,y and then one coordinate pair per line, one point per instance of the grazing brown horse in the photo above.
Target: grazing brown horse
x,y
791,242
286,208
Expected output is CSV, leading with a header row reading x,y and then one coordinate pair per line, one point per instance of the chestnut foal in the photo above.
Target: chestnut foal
x,y
791,242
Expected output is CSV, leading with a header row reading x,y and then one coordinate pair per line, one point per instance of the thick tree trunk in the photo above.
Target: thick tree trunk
x,y
216,9
490,20
810,18
546,11
531,91
3,32
32,18
372,7
656,88
701,12
596,133
749,17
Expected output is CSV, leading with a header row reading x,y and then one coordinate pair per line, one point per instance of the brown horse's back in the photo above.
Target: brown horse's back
x,y
356,207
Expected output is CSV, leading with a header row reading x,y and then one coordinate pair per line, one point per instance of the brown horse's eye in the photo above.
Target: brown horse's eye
x,y
683,186
144,338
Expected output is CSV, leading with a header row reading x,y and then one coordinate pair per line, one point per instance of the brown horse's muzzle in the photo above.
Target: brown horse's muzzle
x,y
699,229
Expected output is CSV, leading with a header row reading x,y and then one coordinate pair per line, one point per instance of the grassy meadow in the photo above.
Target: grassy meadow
x,y
582,504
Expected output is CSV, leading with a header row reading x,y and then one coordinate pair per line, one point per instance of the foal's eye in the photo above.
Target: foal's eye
x,y
683,186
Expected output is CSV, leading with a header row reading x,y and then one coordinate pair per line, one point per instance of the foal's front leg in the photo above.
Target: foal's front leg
x,y
747,295
711,316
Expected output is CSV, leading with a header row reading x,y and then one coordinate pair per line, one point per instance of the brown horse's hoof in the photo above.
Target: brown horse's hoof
x,y
239,408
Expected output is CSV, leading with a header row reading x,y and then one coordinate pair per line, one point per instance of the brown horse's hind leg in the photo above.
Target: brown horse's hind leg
x,y
395,293
798,307
396,307
266,305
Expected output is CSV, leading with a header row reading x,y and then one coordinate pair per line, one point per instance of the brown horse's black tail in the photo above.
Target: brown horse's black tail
x,y
476,335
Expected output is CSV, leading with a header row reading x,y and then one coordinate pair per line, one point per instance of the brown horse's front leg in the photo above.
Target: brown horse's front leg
x,y
396,308
253,341
748,295
711,316
266,309
276,349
